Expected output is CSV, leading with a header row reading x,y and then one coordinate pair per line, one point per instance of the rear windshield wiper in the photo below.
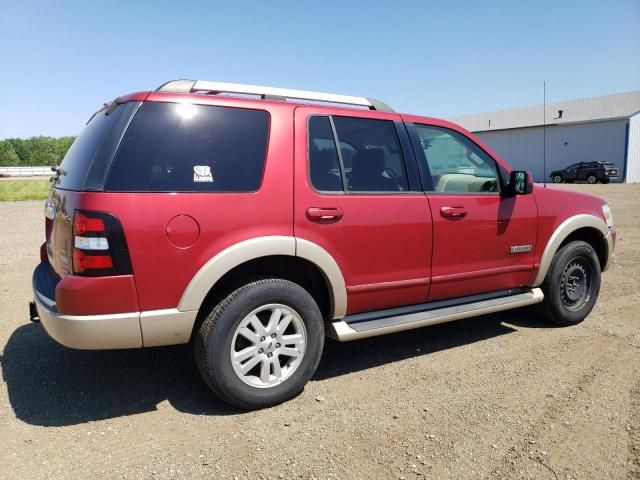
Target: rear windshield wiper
x,y
57,172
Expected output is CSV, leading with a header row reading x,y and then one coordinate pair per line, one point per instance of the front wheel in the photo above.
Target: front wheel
x,y
557,179
260,346
572,284
592,179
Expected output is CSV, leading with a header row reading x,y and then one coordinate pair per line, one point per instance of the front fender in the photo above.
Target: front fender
x,y
563,231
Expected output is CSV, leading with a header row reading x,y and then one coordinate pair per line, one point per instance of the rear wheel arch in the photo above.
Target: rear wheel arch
x,y
585,227
299,261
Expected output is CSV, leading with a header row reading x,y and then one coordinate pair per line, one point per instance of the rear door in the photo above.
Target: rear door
x,y
482,241
357,197
585,169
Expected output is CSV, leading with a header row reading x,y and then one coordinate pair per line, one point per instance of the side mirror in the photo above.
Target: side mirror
x,y
520,183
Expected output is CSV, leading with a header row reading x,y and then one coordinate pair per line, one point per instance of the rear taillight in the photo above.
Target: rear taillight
x,y
99,245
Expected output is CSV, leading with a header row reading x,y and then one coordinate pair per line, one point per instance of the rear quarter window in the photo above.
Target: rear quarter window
x,y
91,153
171,147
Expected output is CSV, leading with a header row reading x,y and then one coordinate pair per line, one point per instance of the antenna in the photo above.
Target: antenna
x,y
544,132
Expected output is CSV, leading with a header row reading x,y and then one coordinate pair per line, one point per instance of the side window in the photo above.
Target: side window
x,y
324,164
172,147
371,155
456,163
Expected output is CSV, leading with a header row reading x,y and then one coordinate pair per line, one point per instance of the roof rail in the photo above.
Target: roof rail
x,y
270,93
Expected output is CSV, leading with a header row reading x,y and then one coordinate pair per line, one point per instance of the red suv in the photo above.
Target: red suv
x,y
253,221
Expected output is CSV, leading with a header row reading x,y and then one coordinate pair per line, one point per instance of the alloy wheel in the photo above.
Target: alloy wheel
x,y
268,345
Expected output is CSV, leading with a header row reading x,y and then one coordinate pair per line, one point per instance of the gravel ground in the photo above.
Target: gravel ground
x,y
500,396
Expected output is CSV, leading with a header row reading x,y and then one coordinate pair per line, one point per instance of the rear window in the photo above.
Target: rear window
x,y
90,154
371,155
366,155
171,147
324,163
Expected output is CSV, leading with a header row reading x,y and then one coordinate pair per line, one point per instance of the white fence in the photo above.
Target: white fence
x,y
27,171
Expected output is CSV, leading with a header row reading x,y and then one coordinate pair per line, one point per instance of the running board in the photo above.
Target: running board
x,y
345,330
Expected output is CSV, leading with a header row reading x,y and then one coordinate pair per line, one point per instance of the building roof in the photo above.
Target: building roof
x,y
608,107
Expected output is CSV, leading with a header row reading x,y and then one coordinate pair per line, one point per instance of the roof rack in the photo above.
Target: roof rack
x,y
269,93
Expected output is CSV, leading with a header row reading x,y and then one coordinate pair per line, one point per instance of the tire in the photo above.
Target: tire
x,y
572,284
591,179
557,179
221,335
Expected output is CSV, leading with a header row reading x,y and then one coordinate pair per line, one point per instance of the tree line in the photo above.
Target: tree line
x,y
34,151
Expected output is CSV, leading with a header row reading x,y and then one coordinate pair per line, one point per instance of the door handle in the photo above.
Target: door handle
x,y
329,213
453,212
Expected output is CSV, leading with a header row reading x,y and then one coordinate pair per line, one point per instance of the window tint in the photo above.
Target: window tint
x,y
371,155
92,151
324,165
173,147
456,163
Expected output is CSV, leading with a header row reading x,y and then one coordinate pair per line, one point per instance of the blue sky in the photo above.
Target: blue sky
x,y
61,60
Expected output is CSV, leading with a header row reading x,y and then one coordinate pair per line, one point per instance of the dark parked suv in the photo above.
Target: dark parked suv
x,y
590,172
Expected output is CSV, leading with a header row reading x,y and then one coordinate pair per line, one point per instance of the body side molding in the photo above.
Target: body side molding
x,y
565,229
166,327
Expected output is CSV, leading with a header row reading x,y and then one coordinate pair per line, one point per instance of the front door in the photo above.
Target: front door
x,y
354,198
571,173
482,241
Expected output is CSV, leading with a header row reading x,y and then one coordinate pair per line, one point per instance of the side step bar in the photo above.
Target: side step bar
x,y
345,330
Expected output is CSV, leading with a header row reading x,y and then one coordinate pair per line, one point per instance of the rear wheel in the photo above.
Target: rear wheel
x,y
260,346
572,284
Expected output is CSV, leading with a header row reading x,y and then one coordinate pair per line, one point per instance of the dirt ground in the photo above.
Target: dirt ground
x,y
500,396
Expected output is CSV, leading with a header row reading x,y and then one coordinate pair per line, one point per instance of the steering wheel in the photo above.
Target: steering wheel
x,y
490,186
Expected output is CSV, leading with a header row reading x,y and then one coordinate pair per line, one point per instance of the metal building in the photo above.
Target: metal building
x,y
590,129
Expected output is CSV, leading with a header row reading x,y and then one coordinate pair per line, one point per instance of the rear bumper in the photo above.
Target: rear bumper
x,y
90,332
111,331
86,332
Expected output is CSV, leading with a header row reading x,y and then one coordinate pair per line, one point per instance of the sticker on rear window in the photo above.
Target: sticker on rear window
x,y
202,173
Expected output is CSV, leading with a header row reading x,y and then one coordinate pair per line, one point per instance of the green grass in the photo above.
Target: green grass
x,y
15,190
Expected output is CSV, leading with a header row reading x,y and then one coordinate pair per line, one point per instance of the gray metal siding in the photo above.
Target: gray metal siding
x,y
565,144
633,150
608,107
